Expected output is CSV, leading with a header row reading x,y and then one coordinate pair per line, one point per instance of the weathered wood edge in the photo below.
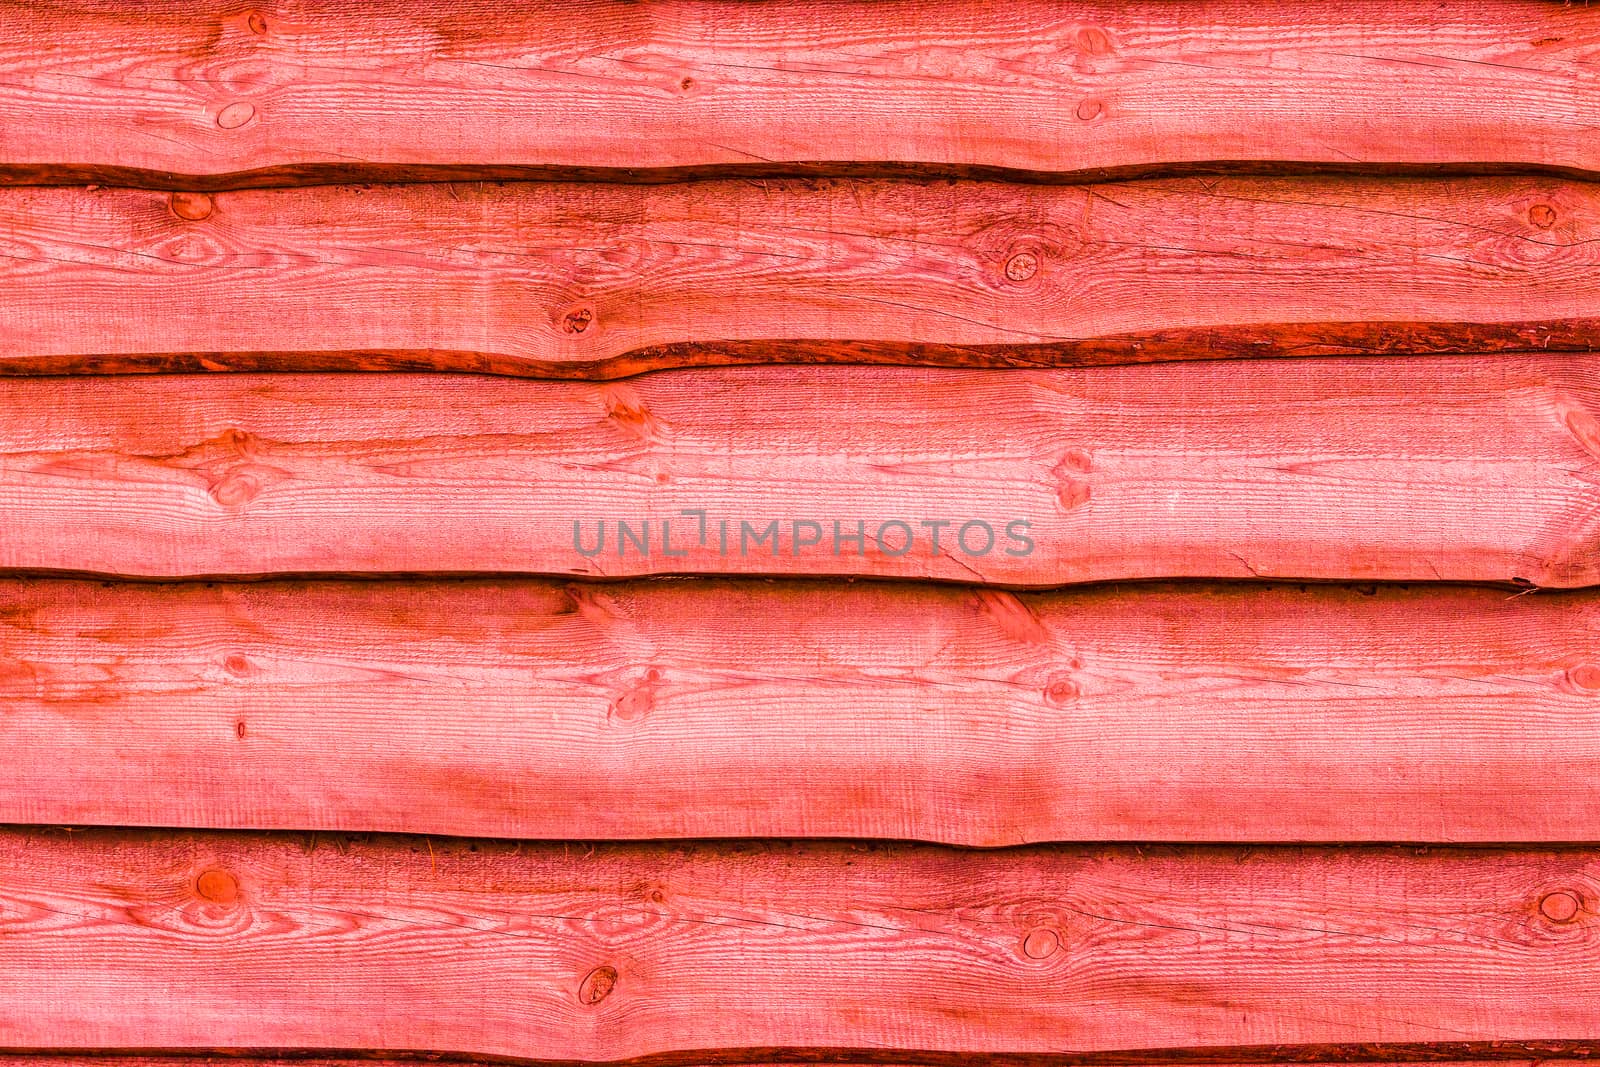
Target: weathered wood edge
x,y
310,175
1202,344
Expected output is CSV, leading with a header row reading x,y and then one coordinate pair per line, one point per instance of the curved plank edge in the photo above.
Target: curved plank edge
x,y
310,175
1253,341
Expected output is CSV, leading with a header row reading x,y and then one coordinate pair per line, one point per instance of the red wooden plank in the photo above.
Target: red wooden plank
x,y
723,709
556,951
597,280
1437,468
319,88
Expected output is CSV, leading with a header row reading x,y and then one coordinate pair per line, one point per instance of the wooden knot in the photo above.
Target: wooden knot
x,y
1074,493
257,23
1585,678
597,985
217,886
1089,110
1022,266
1040,943
235,489
577,320
1073,489
1060,689
192,207
1560,907
638,701
1093,41
1584,427
235,115
1542,216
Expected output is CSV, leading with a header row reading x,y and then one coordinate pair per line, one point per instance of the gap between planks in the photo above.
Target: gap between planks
x,y
311,176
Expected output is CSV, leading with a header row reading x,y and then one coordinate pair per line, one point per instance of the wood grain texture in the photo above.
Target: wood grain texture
x,y
308,89
558,951
601,280
1437,468
691,708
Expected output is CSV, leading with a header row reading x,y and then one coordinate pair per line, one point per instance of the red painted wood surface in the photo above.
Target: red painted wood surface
x,y
1436,468
750,709
560,951
600,280
96,90
585,189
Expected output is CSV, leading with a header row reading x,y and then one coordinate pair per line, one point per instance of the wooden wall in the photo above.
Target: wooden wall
x,y
332,334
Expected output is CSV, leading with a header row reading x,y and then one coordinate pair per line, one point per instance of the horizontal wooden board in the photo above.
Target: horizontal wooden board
x,y
1430,468
601,280
566,952
313,89
692,708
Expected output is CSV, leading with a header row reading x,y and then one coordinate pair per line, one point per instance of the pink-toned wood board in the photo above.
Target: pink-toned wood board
x,y
566,952
600,280
149,93
750,709
1434,468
